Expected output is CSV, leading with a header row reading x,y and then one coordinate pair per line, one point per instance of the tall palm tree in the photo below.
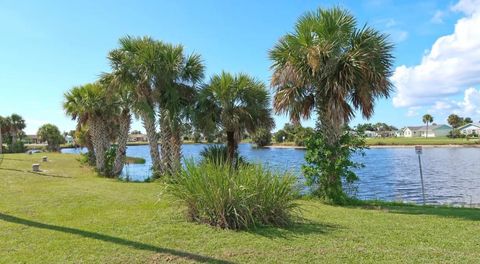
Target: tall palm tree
x,y
427,119
234,103
90,104
137,61
17,124
121,93
330,66
175,92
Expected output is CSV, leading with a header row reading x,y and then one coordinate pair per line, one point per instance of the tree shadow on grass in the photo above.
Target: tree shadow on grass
x,y
295,230
111,239
37,173
471,214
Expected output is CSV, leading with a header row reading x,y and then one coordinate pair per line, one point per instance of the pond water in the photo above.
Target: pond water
x,y
451,175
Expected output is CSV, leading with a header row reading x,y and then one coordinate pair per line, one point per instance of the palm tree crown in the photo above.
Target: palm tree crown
x,y
235,103
330,65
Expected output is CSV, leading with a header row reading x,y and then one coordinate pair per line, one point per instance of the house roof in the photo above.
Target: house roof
x,y
467,125
434,127
413,128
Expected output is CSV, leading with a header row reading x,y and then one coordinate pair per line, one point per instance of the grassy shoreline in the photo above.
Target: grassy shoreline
x,y
403,142
67,214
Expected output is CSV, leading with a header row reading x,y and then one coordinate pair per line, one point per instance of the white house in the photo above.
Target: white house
x,y
409,131
371,134
470,129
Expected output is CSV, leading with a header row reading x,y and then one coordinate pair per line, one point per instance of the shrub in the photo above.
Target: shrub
x,y
262,137
17,147
110,155
329,168
455,133
303,135
235,198
218,154
196,137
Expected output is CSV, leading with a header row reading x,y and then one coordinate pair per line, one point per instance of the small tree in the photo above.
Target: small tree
x,y
52,135
262,137
454,120
426,120
280,136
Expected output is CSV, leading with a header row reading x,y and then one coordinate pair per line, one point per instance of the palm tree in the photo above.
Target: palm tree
x,y
135,63
175,92
234,103
330,66
427,119
121,93
17,124
90,104
84,139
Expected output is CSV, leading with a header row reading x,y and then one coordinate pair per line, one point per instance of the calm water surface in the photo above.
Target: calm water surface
x,y
451,175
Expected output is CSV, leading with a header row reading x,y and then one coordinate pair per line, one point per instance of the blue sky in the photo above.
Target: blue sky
x,y
48,47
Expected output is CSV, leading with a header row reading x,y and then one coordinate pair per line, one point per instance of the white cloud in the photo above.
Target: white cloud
x,y
451,65
470,106
413,111
468,7
398,35
438,17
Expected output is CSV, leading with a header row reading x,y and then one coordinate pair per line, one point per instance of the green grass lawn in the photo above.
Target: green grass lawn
x,y
67,214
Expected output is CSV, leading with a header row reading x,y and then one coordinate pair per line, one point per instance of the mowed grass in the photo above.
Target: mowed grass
x,y
421,141
67,214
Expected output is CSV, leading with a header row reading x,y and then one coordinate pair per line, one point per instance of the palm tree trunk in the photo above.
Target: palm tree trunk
x,y
13,133
97,132
101,142
166,142
176,149
120,156
231,146
149,125
91,149
426,134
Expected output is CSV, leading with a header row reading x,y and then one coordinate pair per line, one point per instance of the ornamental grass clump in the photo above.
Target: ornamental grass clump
x,y
236,198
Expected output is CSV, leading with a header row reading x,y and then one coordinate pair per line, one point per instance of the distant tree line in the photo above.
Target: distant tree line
x,y
293,133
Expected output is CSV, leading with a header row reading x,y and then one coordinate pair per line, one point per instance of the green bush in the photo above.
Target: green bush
x,y
262,137
110,155
329,169
18,147
235,198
